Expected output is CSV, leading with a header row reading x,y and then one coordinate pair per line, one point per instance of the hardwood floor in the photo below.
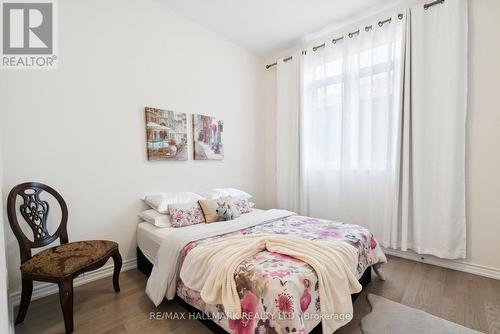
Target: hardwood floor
x,y
466,299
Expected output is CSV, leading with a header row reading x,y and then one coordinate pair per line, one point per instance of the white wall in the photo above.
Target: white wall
x,y
5,323
80,128
483,151
483,158
269,98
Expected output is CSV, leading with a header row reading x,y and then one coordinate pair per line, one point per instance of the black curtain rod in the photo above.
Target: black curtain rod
x,y
335,40
430,4
319,46
354,33
276,63
271,65
381,23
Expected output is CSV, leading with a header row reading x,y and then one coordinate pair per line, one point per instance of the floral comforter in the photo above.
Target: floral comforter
x,y
278,293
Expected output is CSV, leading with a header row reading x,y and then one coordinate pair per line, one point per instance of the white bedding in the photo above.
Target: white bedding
x,y
163,279
150,237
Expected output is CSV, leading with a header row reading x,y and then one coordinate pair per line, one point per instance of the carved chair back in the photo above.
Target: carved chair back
x,y
35,212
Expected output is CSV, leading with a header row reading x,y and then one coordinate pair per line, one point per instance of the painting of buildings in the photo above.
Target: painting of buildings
x,y
207,136
166,134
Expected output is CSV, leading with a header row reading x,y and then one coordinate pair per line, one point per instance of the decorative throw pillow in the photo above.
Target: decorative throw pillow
x,y
209,207
185,214
154,217
241,204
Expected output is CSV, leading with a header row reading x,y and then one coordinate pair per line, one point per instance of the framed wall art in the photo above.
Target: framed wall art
x,y
208,138
166,134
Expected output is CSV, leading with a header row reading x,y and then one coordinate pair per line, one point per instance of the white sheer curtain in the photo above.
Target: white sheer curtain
x,y
352,107
288,91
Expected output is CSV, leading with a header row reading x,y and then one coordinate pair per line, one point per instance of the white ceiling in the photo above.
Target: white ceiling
x,y
266,27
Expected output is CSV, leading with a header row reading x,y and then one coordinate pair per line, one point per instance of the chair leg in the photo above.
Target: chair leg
x,y
118,267
27,289
66,298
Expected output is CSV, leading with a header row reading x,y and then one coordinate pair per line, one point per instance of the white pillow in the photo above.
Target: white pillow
x,y
161,201
224,192
154,217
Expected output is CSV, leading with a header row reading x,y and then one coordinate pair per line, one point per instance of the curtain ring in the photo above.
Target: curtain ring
x,y
368,28
318,47
335,40
381,23
400,16
352,34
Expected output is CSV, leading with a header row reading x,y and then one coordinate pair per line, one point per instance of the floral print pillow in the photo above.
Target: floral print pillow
x,y
186,214
241,204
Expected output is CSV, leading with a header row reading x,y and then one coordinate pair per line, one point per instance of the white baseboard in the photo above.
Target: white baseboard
x,y
44,289
459,265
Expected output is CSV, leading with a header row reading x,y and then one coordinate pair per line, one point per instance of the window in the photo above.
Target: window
x,y
351,93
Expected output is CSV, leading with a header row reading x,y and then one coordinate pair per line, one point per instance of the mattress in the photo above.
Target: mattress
x,y
150,237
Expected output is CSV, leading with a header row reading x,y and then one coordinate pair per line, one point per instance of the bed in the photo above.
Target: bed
x,y
281,286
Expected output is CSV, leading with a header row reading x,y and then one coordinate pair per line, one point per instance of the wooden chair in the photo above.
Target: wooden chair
x,y
59,264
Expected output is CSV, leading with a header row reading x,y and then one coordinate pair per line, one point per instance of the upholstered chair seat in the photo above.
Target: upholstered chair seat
x,y
67,259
